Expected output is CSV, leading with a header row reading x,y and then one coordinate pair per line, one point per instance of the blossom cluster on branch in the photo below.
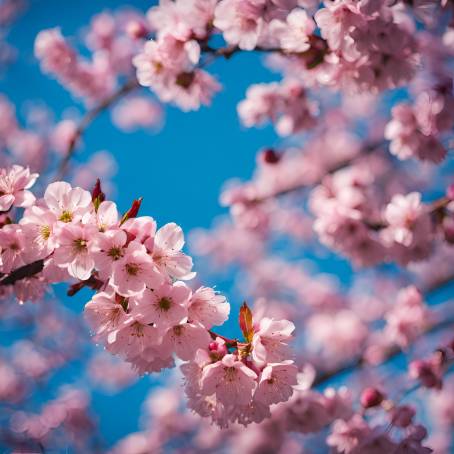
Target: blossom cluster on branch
x,y
143,309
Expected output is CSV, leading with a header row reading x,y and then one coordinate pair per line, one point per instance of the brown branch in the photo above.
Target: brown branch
x,y
23,272
88,118
393,351
312,57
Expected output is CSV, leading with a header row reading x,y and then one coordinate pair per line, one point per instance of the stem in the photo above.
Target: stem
x,y
88,118
229,342
23,272
392,353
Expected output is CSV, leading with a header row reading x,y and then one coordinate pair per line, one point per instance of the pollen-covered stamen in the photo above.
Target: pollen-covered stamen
x,y
132,269
14,247
115,252
137,329
45,232
230,374
165,303
80,245
66,216
177,330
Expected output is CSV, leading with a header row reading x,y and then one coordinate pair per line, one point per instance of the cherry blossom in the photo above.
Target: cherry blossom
x,y
14,185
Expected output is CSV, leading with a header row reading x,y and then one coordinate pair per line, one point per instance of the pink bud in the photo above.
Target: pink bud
x,y
136,29
96,193
371,397
213,346
270,156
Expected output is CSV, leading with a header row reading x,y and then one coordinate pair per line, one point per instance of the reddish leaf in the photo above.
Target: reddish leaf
x,y
133,211
246,323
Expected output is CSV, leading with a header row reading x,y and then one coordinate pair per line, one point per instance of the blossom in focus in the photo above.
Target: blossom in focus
x,y
14,185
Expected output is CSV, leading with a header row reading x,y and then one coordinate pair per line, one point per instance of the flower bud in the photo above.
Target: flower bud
x,y
371,397
270,156
136,29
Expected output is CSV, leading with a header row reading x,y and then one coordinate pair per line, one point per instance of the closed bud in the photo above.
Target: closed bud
x,y
371,397
133,211
136,29
97,196
270,156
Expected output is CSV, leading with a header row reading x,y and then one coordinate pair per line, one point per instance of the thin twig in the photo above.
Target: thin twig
x,y
392,353
88,118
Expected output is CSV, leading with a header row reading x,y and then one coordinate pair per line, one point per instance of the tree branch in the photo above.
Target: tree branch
x,y
391,353
23,272
88,118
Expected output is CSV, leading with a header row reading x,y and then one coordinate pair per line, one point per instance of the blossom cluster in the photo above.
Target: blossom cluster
x,y
241,386
349,219
143,310
415,131
286,104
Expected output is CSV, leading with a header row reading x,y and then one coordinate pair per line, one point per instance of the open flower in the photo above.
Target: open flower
x,y
166,246
73,251
230,380
276,383
14,183
67,203
135,271
165,306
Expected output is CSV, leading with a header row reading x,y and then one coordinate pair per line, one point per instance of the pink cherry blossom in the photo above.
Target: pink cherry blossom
x,y
67,203
348,436
294,35
402,214
165,305
104,313
107,216
14,185
140,229
134,271
240,22
137,112
106,248
230,380
276,381
38,225
208,308
306,412
12,246
270,341
185,339
408,318
73,252
64,135
166,246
